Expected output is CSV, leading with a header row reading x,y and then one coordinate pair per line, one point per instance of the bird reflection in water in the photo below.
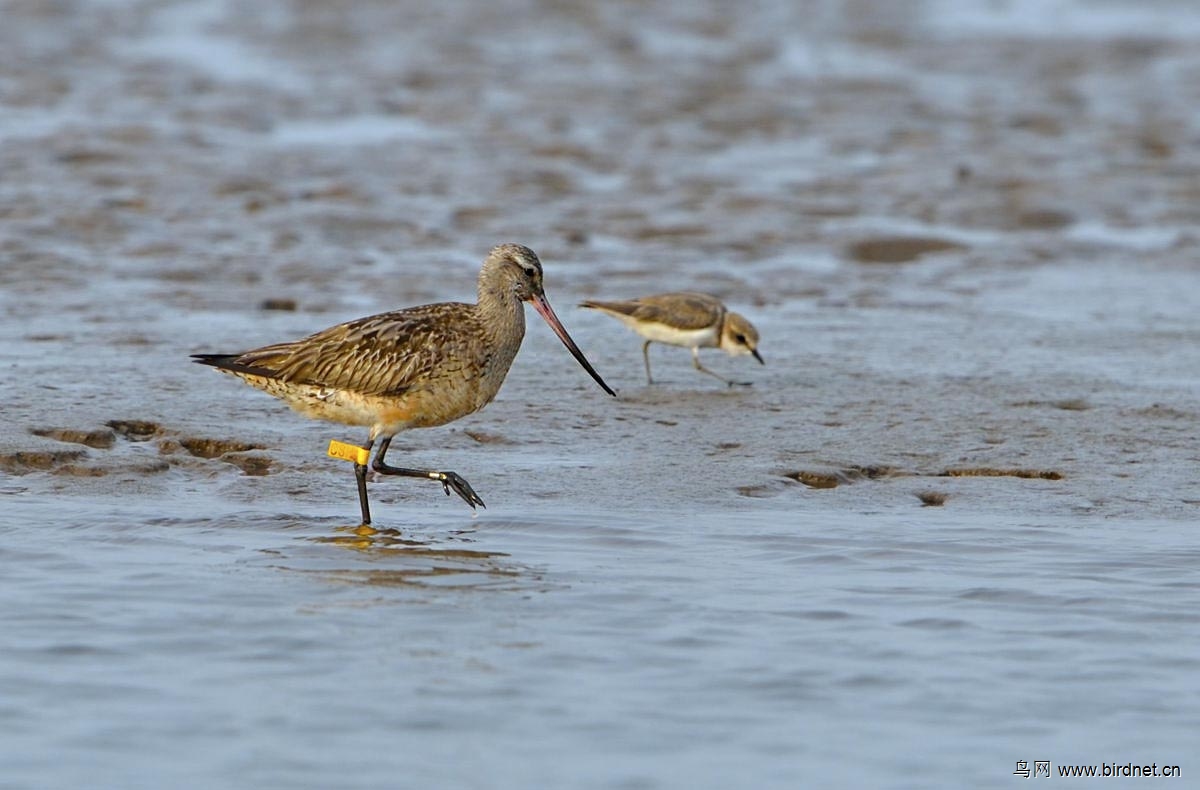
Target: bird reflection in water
x,y
417,563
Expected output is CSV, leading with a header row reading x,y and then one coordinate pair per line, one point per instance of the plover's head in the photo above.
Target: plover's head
x,y
740,337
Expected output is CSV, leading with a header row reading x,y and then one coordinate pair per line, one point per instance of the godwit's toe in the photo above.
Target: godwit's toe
x,y
451,480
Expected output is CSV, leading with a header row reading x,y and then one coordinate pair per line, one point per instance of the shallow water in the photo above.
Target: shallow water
x,y
965,231
629,648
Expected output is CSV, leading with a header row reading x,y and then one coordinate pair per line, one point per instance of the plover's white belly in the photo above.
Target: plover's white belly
x,y
661,333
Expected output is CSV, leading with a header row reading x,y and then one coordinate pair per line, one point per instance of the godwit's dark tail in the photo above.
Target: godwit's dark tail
x,y
230,362
216,360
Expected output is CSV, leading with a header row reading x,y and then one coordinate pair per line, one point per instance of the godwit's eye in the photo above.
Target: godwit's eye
x,y
741,339
530,272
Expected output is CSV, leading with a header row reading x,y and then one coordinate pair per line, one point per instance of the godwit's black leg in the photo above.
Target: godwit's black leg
x,y
449,480
360,474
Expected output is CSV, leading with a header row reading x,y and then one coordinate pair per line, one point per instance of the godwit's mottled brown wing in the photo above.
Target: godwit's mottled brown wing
x,y
385,354
681,310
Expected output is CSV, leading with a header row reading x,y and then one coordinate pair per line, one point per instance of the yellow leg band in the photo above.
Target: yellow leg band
x,y
349,452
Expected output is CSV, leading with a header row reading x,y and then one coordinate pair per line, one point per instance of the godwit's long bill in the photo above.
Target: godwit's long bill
x,y
691,320
414,368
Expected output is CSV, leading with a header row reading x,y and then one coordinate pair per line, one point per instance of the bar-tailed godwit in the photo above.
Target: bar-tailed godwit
x,y
691,320
414,368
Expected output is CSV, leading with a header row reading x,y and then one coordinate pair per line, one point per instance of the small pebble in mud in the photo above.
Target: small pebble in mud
x,y
483,437
874,472
100,438
932,498
899,249
814,479
134,430
1044,219
215,448
24,461
86,156
80,470
986,471
849,474
1066,404
253,465
277,303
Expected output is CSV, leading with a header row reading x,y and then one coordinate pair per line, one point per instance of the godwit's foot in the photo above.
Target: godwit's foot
x,y
461,487
449,480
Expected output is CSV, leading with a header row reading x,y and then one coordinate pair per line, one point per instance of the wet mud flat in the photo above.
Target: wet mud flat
x,y
992,279
847,409
970,248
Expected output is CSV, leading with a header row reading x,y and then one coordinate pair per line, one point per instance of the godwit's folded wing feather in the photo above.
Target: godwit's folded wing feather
x,y
385,354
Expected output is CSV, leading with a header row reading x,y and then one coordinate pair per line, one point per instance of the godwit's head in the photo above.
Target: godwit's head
x,y
740,337
516,269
